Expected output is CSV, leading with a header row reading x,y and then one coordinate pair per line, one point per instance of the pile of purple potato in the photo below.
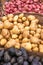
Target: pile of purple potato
x,y
13,56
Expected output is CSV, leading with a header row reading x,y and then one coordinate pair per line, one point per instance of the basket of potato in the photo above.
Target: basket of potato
x,y
22,30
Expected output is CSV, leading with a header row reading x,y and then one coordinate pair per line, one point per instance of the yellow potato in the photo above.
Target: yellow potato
x,y
10,19
38,30
37,35
41,41
4,18
14,36
26,23
8,25
20,20
41,48
20,36
3,42
15,18
10,43
1,25
26,34
27,46
10,15
35,49
25,40
42,34
23,18
17,45
35,40
21,15
31,17
34,45
6,33
1,36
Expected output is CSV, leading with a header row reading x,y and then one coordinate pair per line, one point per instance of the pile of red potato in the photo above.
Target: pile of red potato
x,y
16,6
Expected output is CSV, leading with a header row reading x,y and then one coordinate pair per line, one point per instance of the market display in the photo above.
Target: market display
x,y
21,31
17,6
13,56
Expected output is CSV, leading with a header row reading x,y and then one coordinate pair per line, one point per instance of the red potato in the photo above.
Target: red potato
x,y
23,6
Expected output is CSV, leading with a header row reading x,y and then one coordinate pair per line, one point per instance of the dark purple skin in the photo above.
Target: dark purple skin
x,y
13,56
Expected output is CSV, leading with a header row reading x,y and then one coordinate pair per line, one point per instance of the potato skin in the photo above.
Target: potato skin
x,y
21,31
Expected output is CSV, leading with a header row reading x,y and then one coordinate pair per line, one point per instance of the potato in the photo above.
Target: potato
x,y
1,25
21,15
25,40
15,18
35,40
20,20
38,30
27,28
15,30
4,18
20,25
14,36
15,23
33,27
26,23
37,35
10,15
35,49
27,46
17,40
1,36
20,36
35,21
42,34
6,33
23,18
34,45
10,19
39,26
32,32
3,42
17,45
41,48
10,43
26,34
31,17
41,41
8,25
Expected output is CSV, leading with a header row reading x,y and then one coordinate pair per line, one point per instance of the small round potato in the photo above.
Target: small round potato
x,y
25,40
3,42
31,17
10,43
20,20
6,33
14,36
17,45
10,15
8,25
35,49
21,15
15,18
26,23
4,18
23,18
41,48
27,46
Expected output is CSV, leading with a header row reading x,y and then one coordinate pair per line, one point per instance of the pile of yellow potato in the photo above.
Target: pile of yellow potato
x,y
21,31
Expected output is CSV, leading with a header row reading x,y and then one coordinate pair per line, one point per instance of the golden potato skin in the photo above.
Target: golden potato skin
x,y
21,31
